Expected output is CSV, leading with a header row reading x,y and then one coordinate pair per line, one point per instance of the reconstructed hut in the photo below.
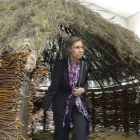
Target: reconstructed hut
x,y
39,28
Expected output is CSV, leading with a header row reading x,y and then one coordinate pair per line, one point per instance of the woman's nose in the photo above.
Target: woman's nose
x,y
81,49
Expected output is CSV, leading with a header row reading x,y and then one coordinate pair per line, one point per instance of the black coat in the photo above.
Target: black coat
x,y
60,89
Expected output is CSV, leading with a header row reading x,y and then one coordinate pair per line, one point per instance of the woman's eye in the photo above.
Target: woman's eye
x,y
76,47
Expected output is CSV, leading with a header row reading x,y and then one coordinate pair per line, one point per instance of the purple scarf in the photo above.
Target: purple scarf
x,y
73,77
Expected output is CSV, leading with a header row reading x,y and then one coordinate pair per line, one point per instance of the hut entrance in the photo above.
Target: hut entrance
x,y
31,37
23,87
22,91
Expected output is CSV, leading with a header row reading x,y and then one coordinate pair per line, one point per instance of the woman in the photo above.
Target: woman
x,y
65,95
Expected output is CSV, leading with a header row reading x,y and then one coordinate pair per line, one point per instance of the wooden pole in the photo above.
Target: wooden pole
x,y
44,120
114,108
125,111
24,107
93,115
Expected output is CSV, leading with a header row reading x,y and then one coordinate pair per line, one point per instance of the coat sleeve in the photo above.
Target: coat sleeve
x,y
85,86
53,88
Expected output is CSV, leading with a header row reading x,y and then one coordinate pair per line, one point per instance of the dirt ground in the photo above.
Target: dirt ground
x,y
102,134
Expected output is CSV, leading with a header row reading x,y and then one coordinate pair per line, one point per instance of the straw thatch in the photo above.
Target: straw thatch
x,y
112,50
12,85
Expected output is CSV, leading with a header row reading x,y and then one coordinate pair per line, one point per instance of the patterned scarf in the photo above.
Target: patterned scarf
x,y
73,77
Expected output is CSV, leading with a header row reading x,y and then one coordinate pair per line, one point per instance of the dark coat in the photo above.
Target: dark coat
x,y
59,89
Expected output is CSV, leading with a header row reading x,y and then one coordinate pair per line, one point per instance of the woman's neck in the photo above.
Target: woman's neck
x,y
73,61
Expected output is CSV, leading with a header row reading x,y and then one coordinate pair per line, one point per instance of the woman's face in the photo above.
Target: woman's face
x,y
77,50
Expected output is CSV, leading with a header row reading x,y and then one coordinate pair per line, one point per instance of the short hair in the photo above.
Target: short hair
x,y
66,48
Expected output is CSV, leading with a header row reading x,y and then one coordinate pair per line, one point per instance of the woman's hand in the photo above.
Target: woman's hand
x,y
78,91
38,115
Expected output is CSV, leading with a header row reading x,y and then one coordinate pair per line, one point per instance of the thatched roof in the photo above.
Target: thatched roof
x,y
113,51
